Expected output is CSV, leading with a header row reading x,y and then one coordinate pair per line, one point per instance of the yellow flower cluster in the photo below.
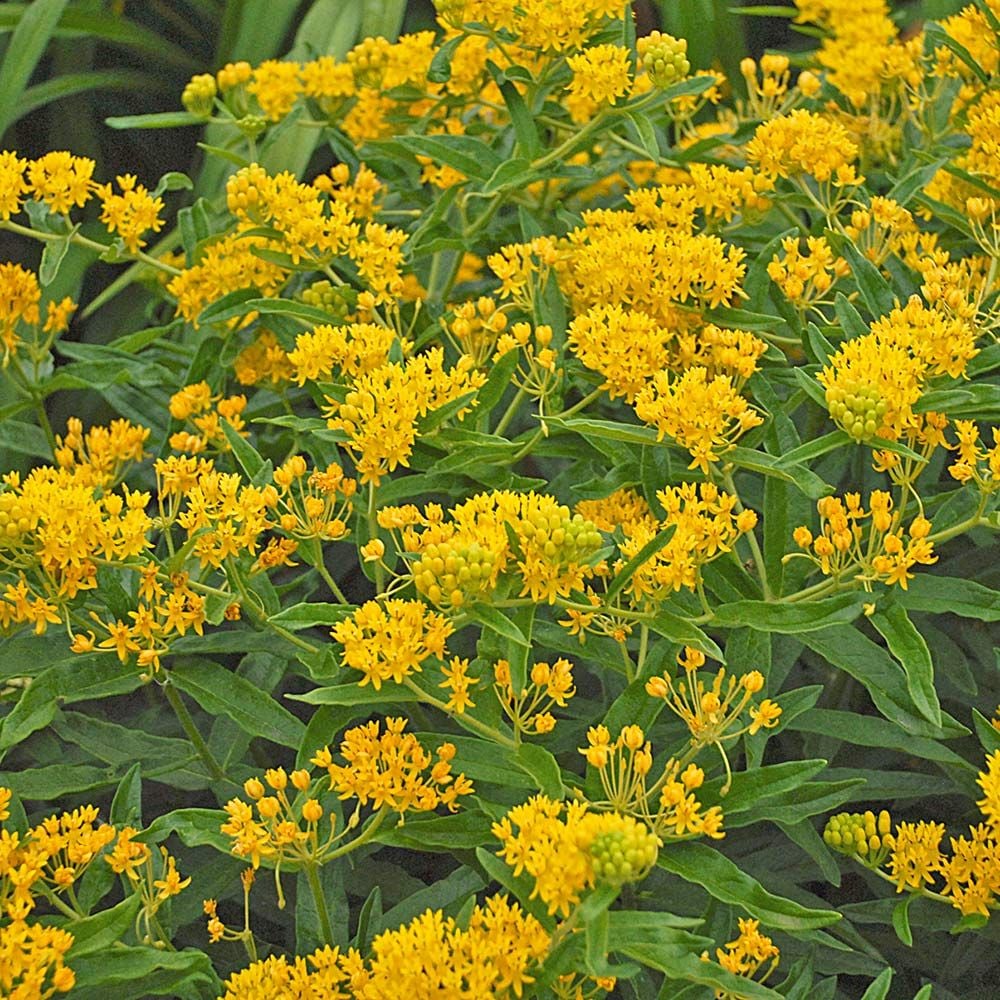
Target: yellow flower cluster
x,y
548,25
63,182
380,413
713,713
393,770
492,954
650,260
101,455
913,857
391,640
746,956
475,327
974,463
601,74
872,382
769,90
20,300
566,848
665,803
804,143
264,361
316,505
805,278
461,559
44,865
205,412
529,710
860,49
882,553
703,414
351,351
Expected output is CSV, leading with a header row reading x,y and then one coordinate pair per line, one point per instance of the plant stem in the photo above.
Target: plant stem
x,y
751,537
465,720
373,533
316,888
189,727
320,568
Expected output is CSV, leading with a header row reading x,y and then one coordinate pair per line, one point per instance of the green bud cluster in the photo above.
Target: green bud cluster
x,y
199,95
862,835
252,126
561,537
327,296
626,855
14,518
858,408
451,573
664,58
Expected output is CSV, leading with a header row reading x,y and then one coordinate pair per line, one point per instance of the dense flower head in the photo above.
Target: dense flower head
x,y
130,214
391,640
61,180
566,848
32,960
804,142
703,414
379,414
389,768
601,74
13,185
20,296
867,544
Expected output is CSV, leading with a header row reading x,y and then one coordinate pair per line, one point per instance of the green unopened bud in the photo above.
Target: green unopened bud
x,y
199,95
252,125
664,58
624,855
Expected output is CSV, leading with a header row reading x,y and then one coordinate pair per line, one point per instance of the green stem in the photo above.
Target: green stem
x,y
83,241
751,537
508,414
316,888
324,573
373,533
367,834
189,727
466,720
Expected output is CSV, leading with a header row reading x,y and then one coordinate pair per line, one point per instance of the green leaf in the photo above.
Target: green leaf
x,y
790,619
850,319
542,767
245,453
163,119
686,633
767,465
75,679
655,941
622,577
874,289
440,67
495,620
725,881
910,649
935,36
901,919
941,594
606,429
464,830
24,439
221,692
24,50
103,930
300,616
528,141
869,664
989,735
818,446
469,155
136,973
195,827
354,694
878,989
43,784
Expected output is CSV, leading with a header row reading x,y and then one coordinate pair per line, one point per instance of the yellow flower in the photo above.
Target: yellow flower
x,y
61,180
601,74
803,142
13,186
391,769
131,213
705,416
391,640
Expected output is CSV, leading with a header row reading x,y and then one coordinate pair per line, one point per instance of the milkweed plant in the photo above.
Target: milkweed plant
x,y
544,547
